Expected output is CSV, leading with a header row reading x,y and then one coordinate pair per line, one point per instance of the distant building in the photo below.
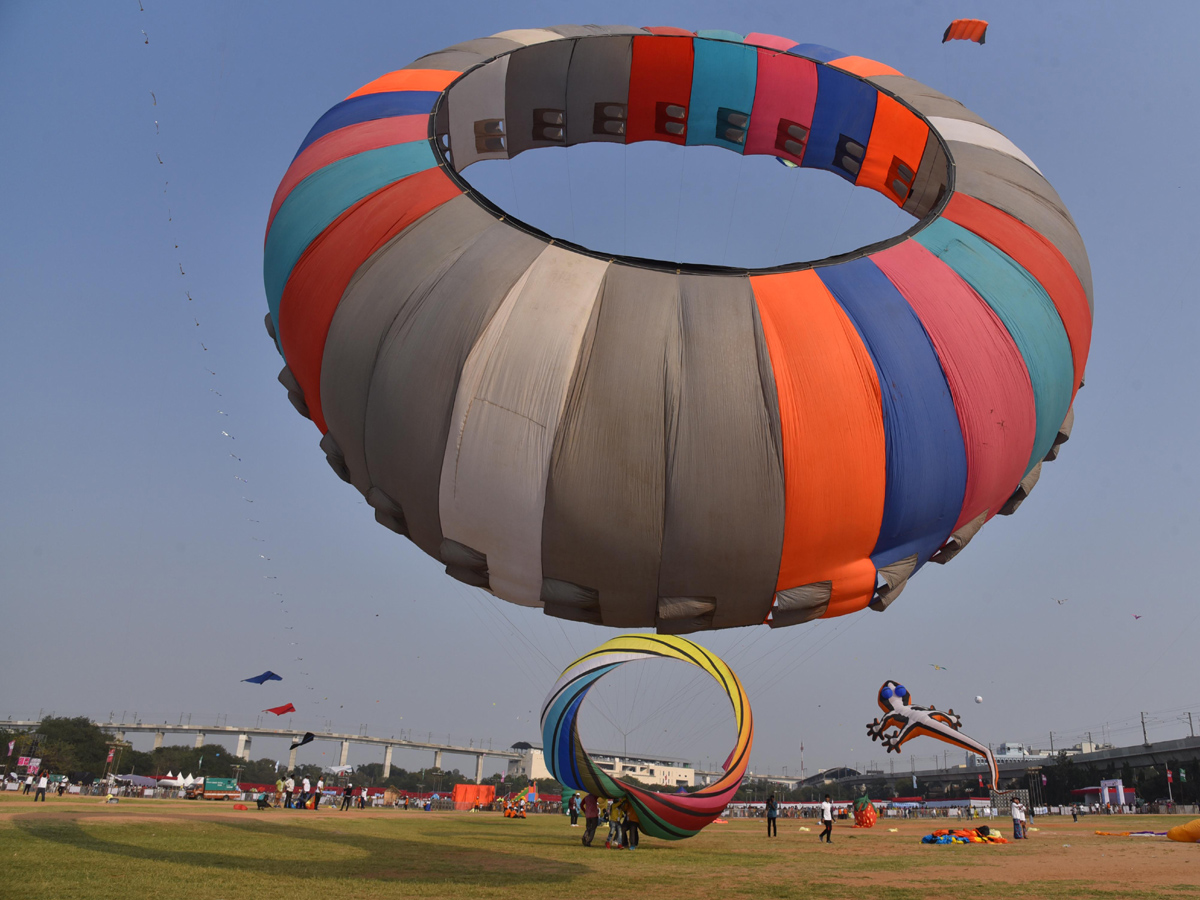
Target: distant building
x,y
646,769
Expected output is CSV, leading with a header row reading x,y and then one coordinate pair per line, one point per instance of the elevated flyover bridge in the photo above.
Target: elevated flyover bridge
x,y
245,735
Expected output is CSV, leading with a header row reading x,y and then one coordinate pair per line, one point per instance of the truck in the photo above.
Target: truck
x,y
210,788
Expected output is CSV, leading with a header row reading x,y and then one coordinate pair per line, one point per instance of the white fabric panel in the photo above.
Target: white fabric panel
x,y
529,36
478,96
974,133
506,412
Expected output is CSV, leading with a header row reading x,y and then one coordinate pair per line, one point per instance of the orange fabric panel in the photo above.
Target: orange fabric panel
x,y
668,30
833,442
315,287
1041,259
661,72
897,134
863,67
409,80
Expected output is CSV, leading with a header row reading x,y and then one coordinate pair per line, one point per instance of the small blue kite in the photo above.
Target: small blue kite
x,y
264,678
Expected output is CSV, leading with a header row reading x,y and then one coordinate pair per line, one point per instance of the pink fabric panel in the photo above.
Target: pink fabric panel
x,y
786,89
771,41
347,142
986,372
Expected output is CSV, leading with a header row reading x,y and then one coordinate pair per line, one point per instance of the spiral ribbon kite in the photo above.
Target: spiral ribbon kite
x,y
671,817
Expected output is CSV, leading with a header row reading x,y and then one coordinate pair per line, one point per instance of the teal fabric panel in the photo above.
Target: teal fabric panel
x,y
1026,311
326,194
718,35
723,75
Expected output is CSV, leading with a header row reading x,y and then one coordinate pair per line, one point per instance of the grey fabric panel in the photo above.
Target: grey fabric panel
x,y
599,74
475,99
416,375
958,540
724,516
1024,489
537,79
801,604
375,297
460,57
924,99
895,579
766,377
603,521
932,178
593,30
1008,184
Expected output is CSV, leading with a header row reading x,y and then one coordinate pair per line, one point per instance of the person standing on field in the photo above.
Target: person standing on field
x,y
347,796
591,817
289,787
772,816
43,783
827,819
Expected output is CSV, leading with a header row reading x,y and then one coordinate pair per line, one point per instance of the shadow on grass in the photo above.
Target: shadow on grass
x,y
386,858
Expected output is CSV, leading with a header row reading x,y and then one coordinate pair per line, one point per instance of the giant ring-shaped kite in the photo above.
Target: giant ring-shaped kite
x,y
640,442
662,815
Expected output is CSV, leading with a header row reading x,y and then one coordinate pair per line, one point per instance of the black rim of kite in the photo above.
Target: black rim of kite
x,y
663,265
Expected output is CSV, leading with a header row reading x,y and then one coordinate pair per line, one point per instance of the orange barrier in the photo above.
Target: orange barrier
x,y
468,796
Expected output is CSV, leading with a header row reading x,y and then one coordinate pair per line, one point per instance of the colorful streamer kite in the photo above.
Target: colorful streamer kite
x,y
671,817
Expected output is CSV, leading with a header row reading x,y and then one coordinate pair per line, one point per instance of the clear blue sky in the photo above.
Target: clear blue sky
x,y
136,575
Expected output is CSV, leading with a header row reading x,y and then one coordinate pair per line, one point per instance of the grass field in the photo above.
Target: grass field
x,y
76,848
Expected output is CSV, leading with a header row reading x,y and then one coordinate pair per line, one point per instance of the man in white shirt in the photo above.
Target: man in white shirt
x,y
827,820
318,795
43,783
305,790
1018,816
288,787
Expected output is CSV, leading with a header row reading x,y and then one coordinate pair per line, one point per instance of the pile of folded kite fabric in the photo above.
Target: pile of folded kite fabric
x,y
1132,833
980,835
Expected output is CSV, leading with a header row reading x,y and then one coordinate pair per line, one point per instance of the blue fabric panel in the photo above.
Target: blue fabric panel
x,y
723,75
560,718
717,34
1026,311
845,106
926,459
323,196
370,106
819,52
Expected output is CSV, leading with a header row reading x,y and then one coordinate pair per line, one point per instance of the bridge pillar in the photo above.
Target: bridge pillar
x,y
199,739
243,746
158,740
387,761
119,735
345,753
292,760
479,769
437,759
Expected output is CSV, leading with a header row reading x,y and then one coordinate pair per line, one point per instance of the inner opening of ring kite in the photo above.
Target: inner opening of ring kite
x,y
695,153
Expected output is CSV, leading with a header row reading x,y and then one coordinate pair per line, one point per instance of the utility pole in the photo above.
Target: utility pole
x,y
1052,742
1190,726
1145,740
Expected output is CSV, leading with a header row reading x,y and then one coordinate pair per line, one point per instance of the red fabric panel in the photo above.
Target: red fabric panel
x,y
771,41
345,142
786,89
986,373
661,72
320,276
668,30
1041,259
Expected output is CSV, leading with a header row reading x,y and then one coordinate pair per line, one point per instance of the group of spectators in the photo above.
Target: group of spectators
x,y
39,784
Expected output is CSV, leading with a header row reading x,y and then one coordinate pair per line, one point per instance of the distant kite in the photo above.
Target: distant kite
x,y
308,738
939,668
1136,616
280,710
264,678
966,30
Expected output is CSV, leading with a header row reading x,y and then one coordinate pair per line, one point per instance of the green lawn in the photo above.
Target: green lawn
x,y
207,851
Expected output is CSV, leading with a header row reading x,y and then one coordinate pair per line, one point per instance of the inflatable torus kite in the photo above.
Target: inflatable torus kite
x,y
642,442
667,816
922,721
